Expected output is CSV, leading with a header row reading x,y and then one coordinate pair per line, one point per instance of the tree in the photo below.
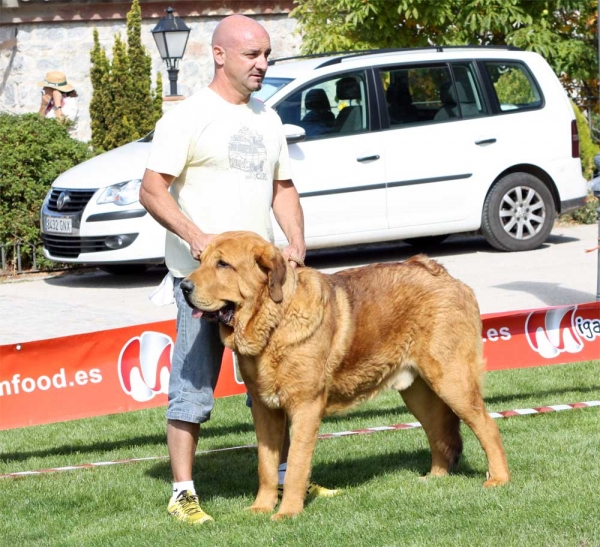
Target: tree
x,y
562,31
99,105
124,107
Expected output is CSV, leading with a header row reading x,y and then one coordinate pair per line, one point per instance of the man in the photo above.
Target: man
x,y
219,162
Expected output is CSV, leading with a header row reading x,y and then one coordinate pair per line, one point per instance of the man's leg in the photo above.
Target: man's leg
x,y
182,440
194,372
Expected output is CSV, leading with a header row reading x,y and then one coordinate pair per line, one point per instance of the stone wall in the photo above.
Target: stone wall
x,y
29,50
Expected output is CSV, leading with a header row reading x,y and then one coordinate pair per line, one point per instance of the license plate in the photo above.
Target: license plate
x,y
58,225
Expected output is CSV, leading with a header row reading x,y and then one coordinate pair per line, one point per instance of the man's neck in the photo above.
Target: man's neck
x,y
228,93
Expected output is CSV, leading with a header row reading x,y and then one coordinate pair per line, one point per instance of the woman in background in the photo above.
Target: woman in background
x,y
59,99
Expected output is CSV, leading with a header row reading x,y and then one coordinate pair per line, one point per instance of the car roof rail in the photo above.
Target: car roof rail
x,y
342,55
316,55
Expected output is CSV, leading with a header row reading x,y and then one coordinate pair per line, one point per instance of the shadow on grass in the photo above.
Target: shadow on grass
x,y
212,430
112,446
233,474
511,399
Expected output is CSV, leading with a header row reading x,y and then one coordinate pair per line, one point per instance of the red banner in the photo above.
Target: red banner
x,y
548,336
120,370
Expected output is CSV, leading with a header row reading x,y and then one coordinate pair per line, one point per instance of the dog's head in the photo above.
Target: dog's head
x,y
237,272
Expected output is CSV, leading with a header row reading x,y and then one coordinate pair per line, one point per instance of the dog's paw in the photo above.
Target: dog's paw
x,y
259,509
499,480
433,475
280,515
491,483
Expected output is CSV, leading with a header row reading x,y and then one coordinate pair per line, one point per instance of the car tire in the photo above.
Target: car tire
x,y
124,269
518,213
426,242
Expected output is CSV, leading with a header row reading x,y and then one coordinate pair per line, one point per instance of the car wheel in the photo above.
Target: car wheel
x,y
518,213
124,269
426,242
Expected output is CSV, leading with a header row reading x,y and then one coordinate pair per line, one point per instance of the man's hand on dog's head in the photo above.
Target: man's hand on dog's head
x,y
294,256
198,243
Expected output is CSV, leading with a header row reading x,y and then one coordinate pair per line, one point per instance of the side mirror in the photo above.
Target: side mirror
x,y
293,133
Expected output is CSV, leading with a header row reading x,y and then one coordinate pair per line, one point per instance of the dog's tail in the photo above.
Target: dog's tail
x,y
423,261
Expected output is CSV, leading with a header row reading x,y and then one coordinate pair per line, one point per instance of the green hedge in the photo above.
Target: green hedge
x,y
33,152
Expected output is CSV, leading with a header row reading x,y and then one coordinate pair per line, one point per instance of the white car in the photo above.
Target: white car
x,y
407,145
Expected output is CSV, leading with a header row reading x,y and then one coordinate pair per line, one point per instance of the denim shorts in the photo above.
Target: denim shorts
x,y
195,365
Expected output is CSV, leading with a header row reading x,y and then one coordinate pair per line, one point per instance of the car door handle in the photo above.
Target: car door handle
x,y
486,141
368,158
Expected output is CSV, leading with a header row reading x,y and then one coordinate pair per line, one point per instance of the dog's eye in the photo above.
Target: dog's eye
x,y
222,264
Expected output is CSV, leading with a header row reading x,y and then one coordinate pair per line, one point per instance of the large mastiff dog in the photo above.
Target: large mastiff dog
x,y
310,344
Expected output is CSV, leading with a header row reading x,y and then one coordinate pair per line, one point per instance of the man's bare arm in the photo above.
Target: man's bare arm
x,y
155,197
289,215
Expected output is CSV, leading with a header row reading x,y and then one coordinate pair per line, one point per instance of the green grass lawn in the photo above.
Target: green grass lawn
x,y
552,500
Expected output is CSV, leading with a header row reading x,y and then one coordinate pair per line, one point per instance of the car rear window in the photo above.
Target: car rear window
x,y
514,85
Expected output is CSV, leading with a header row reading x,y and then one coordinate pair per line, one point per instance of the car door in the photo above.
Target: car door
x,y
338,169
435,147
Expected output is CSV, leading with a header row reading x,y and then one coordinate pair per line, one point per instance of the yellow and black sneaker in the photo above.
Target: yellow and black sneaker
x,y
186,508
314,491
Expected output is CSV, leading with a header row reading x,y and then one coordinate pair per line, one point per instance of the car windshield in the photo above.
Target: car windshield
x,y
269,87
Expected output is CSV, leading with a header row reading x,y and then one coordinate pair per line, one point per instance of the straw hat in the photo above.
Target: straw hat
x,y
56,80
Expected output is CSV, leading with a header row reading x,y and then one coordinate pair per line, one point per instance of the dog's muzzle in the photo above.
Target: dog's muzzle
x,y
223,315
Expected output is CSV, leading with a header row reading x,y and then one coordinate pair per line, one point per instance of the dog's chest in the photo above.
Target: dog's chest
x,y
271,400
269,386
262,374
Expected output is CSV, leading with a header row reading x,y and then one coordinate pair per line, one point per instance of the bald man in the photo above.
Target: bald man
x,y
219,162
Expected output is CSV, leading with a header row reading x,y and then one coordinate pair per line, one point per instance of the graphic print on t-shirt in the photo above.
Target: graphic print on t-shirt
x,y
247,152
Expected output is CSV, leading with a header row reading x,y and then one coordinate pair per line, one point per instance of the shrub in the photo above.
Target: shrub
x,y
124,107
588,214
33,152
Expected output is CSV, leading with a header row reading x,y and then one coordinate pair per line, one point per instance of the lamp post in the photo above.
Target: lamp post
x,y
171,36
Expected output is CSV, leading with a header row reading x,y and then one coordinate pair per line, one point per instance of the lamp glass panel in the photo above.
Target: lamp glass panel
x,y
176,42
159,38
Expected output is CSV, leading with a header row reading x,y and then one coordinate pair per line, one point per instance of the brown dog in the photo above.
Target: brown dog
x,y
310,344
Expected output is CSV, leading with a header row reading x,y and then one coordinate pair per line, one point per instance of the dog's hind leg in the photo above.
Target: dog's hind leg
x,y
440,424
269,425
305,421
461,391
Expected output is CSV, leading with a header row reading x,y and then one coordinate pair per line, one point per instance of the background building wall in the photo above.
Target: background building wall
x,y
34,43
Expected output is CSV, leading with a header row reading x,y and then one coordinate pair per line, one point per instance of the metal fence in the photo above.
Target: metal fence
x,y
11,255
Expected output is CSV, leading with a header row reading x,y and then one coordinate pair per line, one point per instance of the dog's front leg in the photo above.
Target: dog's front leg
x,y
305,421
269,425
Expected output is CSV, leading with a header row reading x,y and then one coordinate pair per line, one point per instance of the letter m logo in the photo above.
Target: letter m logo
x,y
552,332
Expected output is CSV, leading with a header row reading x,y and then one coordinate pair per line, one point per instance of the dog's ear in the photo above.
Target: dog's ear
x,y
270,259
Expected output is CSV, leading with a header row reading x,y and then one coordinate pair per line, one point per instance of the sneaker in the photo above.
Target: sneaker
x,y
314,491
186,508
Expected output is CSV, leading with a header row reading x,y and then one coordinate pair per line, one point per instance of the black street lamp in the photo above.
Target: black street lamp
x,y
171,36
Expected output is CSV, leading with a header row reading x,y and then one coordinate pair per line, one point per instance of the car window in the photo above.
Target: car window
x,y
334,106
430,94
468,91
269,87
515,87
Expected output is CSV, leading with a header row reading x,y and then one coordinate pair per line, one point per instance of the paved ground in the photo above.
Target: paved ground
x,y
559,273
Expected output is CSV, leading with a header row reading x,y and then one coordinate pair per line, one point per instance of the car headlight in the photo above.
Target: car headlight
x,y
123,193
